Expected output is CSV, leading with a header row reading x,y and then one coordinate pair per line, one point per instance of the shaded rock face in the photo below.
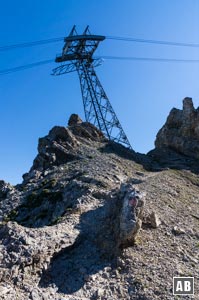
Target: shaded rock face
x,y
181,130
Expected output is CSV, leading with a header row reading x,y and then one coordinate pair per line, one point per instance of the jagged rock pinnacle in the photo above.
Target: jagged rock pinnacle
x,y
181,131
74,120
188,107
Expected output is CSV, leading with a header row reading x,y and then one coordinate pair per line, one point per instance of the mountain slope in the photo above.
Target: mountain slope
x,y
70,230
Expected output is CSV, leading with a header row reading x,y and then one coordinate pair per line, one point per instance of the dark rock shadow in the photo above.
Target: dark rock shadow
x,y
146,161
94,249
156,160
48,206
170,159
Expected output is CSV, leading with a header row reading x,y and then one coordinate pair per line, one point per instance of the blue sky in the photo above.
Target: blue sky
x,y
141,93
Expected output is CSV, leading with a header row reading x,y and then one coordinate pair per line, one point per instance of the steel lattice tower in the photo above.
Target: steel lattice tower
x,y
78,53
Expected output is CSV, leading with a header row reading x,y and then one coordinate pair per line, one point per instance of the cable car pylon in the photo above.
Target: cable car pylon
x,y
78,52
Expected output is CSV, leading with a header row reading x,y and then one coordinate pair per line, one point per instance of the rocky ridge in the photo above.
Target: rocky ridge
x,y
93,220
181,131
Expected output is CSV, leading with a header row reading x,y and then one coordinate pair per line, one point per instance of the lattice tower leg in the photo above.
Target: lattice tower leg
x,y
97,107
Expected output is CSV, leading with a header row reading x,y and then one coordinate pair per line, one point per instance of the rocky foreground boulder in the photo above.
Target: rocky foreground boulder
x,y
94,220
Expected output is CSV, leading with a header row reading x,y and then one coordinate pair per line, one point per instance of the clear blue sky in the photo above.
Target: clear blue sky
x,y
142,93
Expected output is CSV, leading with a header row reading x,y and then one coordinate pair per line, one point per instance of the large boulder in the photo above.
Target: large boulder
x,y
131,214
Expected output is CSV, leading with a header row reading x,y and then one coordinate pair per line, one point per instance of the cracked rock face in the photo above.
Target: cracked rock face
x,y
181,130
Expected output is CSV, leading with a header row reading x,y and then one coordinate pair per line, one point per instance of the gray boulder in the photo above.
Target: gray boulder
x,y
131,215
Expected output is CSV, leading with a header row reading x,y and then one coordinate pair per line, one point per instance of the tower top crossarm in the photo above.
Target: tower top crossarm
x,y
79,47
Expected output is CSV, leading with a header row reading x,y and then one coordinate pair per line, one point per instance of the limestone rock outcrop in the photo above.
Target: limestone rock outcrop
x,y
181,131
91,222
61,145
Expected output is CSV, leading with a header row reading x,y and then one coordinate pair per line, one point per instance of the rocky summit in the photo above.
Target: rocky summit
x,y
94,220
181,130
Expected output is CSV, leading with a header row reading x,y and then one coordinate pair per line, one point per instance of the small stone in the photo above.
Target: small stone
x,y
4,290
139,173
117,274
154,220
185,258
99,293
178,230
35,295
